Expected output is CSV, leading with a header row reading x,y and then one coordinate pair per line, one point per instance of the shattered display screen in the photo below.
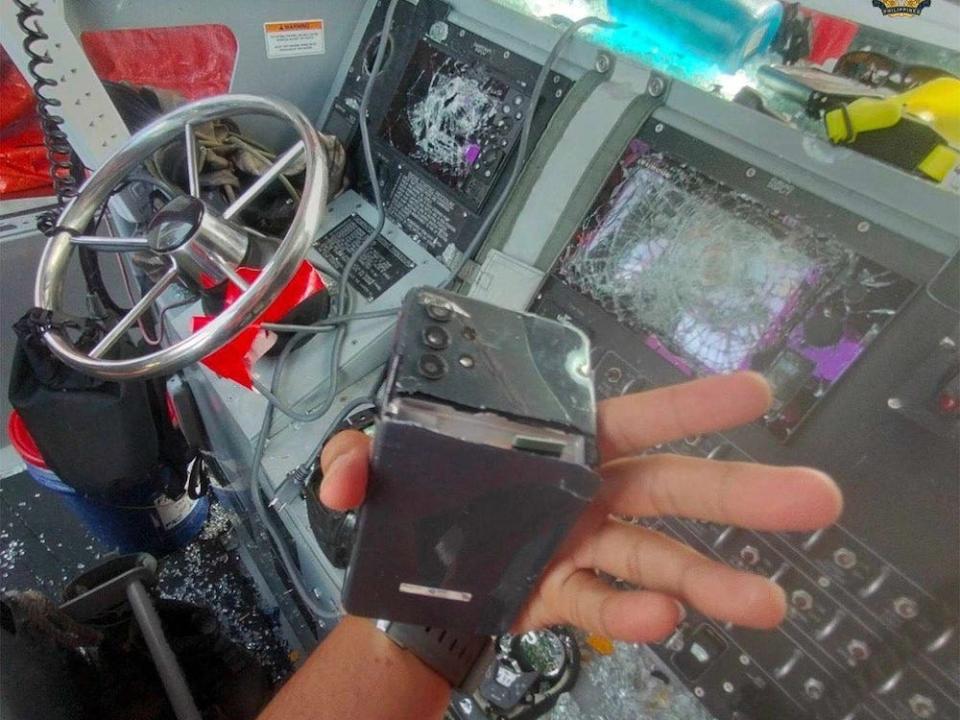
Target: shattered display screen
x,y
718,282
444,112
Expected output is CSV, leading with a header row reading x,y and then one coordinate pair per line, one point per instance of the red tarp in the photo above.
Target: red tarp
x,y
195,61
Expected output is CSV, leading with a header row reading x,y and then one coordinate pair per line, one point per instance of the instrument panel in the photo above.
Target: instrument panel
x,y
715,281
446,114
691,262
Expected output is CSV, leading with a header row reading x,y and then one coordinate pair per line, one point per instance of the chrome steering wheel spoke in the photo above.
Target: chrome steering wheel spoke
x,y
193,164
111,244
134,313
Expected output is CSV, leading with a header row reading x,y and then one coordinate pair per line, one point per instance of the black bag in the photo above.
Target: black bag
x,y
102,438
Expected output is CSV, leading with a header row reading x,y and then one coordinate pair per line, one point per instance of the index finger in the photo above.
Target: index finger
x,y
630,424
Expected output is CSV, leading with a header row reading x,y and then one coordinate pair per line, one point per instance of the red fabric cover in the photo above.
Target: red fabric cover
x,y
831,36
194,60
23,158
235,359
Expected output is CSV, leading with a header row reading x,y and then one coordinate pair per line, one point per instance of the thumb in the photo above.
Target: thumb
x,y
344,464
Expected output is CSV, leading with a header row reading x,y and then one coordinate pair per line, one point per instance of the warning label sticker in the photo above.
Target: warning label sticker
x,y
292,38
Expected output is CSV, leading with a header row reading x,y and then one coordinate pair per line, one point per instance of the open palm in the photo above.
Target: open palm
x,y
668,573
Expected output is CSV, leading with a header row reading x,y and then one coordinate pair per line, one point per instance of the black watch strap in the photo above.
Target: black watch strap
x,y
447,653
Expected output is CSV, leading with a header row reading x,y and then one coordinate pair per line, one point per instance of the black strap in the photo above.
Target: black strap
x,y
447,653
49,370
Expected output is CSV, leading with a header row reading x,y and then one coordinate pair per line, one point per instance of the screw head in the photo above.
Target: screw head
x,y
750,555
656,86
845,558
922,706
858,650
466,361
801,600
602,64
439,31
813,688
894,403
863,226
906,607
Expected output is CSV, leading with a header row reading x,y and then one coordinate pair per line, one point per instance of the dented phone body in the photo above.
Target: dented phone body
x,y
481,464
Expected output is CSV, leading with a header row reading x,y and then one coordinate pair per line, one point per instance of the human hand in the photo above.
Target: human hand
x,y
668,573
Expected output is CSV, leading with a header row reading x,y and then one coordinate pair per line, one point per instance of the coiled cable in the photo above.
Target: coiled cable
x,y
64,170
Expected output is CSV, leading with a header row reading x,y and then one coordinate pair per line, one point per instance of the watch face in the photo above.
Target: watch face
x,y
541,650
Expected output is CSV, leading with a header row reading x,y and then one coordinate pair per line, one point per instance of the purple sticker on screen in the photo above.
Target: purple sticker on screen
x,y
470,153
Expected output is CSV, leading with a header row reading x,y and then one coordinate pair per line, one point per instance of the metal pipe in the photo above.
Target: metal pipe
x,y
163,658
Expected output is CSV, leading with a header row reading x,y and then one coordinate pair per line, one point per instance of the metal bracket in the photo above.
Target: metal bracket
x,y
469,271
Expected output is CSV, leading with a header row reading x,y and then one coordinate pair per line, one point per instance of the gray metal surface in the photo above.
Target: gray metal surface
x,y
305,81
906,204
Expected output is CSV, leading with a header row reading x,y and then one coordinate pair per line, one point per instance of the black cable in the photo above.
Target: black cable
x,y
306,597
521,155
90,258
343,299
65,170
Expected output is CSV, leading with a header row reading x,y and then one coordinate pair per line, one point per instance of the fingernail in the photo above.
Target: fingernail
x,y
329,472
682,612
338,461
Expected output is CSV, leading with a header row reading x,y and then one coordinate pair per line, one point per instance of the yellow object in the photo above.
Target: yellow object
x,y
937,103
938,164
602,645
863,115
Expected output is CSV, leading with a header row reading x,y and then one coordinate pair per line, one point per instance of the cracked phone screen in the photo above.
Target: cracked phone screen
x,y
440,113
718,282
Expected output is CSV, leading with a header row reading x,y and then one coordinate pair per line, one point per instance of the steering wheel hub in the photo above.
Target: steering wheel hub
x,y
175,224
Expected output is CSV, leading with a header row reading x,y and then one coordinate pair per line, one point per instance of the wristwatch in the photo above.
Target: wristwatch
x,y
450,654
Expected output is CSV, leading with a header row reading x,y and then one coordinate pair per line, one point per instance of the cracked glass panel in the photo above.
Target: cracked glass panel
x,y
718,282
442,110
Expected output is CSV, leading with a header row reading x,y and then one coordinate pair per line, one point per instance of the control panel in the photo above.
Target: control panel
x,y
445,115
692,262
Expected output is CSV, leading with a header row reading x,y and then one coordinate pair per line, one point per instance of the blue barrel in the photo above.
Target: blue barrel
x,y
723,32
143,520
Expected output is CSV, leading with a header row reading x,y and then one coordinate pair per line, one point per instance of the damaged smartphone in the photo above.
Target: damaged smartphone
x,y
482,461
